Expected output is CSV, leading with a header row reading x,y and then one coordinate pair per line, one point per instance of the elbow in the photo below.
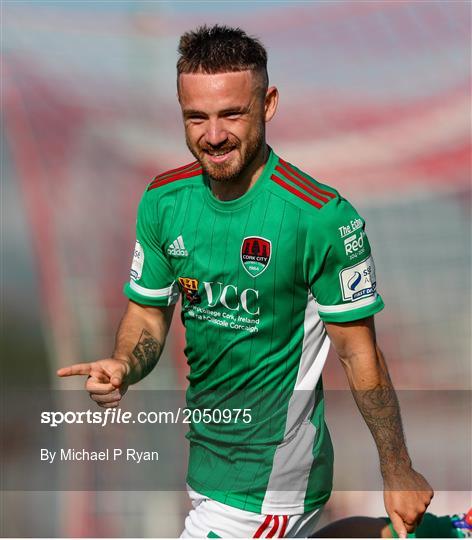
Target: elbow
x,y
363,368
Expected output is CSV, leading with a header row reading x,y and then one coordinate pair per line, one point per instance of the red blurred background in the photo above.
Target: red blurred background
x,y
375,100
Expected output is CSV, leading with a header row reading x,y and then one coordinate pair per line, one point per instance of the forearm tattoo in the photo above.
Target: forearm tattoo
x,y
381,411
147,352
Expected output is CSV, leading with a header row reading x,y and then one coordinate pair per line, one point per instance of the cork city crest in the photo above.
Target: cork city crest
x,y
255,254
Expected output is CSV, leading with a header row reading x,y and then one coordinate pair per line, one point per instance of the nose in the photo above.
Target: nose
x,y
215,134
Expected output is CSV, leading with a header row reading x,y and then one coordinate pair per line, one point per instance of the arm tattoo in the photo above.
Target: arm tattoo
x,y
381,411
147,352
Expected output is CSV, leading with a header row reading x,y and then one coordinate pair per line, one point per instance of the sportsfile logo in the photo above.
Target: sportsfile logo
x,y
177,248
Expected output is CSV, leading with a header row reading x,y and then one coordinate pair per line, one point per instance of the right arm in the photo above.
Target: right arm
x,y
139,343
141,337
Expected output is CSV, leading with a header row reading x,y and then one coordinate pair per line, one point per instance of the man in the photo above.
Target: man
x,y
269,263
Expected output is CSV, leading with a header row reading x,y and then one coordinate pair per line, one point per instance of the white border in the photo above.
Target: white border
x,y
348,307
152,293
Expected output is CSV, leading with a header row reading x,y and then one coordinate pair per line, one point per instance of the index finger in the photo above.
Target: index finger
x,y
75,369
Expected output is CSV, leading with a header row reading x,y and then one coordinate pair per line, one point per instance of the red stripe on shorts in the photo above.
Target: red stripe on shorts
x,y
263,527
284,526
274,528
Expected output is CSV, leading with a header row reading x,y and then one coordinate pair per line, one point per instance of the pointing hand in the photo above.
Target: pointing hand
x,y
107,380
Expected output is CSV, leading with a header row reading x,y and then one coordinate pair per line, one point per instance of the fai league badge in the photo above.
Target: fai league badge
x,y
255,254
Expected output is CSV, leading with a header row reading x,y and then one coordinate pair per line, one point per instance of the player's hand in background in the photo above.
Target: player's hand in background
x,y
107,379
407,495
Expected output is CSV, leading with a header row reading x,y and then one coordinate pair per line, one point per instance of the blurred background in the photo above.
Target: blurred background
x,y
375,100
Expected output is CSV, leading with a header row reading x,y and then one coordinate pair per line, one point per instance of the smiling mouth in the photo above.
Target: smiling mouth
x,y
218,157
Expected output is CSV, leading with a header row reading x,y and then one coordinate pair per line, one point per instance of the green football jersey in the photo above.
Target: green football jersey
x,y
258,277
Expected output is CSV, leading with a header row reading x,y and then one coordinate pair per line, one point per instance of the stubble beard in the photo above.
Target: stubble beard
x,y
231,172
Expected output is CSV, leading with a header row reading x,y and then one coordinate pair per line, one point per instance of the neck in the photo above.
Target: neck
x,y
237,187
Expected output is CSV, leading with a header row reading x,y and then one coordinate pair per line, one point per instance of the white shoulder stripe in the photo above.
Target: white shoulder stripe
x,y
152,293
348,307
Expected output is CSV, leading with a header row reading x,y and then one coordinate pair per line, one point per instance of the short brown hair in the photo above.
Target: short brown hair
x,y
220,49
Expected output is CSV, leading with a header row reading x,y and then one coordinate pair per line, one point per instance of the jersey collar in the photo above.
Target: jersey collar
x,y
250,194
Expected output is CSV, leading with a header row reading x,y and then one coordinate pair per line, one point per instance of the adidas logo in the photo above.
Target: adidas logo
x,y
177,248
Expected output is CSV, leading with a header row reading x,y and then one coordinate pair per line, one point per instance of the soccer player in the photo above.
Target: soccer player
x,y
272,266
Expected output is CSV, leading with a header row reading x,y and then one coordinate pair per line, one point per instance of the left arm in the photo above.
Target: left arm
x,y
406,493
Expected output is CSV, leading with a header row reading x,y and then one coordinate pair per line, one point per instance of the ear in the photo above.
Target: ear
x,y
270,103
